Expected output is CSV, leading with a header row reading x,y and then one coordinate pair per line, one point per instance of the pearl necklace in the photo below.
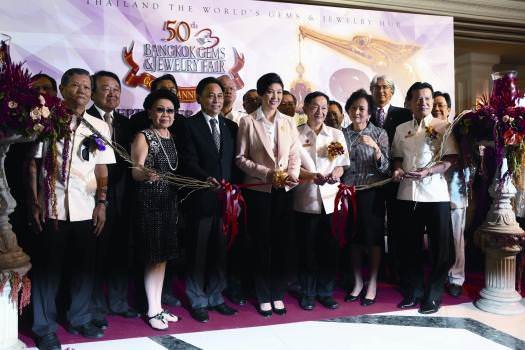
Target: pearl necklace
x,y
157,136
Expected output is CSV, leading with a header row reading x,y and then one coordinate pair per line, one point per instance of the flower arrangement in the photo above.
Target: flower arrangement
x,y
335,149
24,111
430,133
498,119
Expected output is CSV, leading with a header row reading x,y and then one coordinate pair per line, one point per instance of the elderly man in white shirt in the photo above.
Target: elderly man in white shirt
x,y
230,95
68,228
424,200
314,203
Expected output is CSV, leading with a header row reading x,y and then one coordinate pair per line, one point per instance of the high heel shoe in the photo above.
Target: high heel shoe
x,y
367,302
280,311
168,316
350,298
158,322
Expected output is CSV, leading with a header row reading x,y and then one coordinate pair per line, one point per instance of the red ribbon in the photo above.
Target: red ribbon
x,y
233,205
132,79
344,196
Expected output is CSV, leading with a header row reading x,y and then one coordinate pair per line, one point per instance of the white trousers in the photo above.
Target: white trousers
x,y
456,274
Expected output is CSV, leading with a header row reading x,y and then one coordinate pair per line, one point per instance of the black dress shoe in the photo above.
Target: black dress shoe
x,y
87,330
236,299
367,302
349,297
454,290
307,303
429,307
224,309
200,314
102,323
170,299
328,302
408,302
129,313
48,342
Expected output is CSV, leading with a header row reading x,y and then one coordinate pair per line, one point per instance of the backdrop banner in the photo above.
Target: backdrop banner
x,y
331,49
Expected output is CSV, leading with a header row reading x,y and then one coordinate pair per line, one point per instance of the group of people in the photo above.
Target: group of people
x,y
290,172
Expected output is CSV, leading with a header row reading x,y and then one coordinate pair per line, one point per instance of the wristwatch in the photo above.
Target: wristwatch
x,y
103,201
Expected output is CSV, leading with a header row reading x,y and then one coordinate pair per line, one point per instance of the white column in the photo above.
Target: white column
x,y
498,238
9,322
499,295
12,258
473,77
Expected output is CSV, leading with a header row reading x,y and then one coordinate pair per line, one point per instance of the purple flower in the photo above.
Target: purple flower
x,y
99,143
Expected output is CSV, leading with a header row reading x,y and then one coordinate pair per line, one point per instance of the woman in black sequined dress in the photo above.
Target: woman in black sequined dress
x,y
155,207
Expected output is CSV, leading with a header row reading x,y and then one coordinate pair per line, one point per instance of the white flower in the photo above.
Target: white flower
x,y
42,100
35,113
12,104
45,112
38,127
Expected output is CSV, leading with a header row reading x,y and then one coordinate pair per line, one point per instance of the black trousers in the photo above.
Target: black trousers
x,y
69,239
269,224
392,255
435,216
206,259
112,266
318,251
238,273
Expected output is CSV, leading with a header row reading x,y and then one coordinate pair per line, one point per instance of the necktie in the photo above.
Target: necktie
x,y
215,133
381,117
109,120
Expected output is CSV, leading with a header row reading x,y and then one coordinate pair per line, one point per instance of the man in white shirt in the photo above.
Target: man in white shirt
x,y
424,200
457,178
68,227
230,95
314,204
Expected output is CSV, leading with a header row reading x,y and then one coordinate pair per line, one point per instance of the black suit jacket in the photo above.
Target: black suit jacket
x,y
394,117
200,158
119,174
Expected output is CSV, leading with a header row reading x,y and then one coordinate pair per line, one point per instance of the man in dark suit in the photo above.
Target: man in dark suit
x,y
207,148
389,117
113,246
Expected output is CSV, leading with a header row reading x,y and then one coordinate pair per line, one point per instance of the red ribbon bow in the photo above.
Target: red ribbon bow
x,y
345,195
233,205
132,79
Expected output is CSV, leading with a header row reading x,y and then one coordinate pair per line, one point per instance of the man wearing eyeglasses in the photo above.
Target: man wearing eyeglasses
x,y
67,224
113,245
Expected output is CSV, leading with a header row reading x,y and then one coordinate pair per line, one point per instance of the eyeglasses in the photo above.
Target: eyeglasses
x,y
162,110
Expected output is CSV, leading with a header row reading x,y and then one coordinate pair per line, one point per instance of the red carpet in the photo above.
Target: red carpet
x,y
120,328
